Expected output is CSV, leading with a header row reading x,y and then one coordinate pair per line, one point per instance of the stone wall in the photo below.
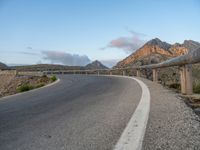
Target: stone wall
x,y
8,72
30,73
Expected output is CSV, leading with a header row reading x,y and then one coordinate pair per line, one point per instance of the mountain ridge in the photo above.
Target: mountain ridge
x,y
155,51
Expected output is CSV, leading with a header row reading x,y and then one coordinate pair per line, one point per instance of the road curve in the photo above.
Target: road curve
x,y
79,112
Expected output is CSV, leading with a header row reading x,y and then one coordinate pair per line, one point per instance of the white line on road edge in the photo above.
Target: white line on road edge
x,y
132,136
5,97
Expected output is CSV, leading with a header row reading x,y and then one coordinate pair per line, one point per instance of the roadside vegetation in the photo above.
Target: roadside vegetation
x,y
25,87
53,78
44,80
196,87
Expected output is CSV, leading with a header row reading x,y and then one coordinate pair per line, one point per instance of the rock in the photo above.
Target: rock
x,y
156,50
197,111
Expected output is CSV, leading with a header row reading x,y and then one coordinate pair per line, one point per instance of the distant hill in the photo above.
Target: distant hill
x,y
155,51
3,66
95,65
53,67
46,67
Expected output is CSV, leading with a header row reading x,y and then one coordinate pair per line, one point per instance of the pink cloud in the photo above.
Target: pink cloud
x,y
127,44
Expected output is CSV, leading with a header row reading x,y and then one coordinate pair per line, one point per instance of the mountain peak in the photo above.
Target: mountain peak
x,y
96,65
158,42
156,50
190,44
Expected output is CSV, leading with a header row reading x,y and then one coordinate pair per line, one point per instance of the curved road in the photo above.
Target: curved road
x,y
79,112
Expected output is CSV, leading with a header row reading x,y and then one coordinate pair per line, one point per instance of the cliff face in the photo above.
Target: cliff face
x,y
156,51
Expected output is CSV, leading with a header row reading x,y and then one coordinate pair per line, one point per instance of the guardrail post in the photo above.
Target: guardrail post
x,y
155,75
138,73
186,79
182,79
189,81
124,72
98,73
16,72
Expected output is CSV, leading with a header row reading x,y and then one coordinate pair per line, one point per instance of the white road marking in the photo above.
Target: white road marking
x,y
132,136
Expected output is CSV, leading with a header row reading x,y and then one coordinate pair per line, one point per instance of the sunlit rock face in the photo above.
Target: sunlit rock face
x,y
155,51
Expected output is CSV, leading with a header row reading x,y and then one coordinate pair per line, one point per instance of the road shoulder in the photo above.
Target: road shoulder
x,y
172,124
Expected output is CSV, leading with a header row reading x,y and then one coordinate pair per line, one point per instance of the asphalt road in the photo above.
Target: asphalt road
x,y
80,112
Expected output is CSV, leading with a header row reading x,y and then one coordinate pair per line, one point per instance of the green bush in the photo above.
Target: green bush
x,y
44,76
196,88
175,86
39,85
53,78
25,87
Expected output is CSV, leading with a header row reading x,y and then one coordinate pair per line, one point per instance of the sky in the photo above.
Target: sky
x,y
76,32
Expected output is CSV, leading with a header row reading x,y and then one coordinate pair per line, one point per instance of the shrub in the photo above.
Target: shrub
x,y
25,87
39,85
53,78
196,88
175,86
44,76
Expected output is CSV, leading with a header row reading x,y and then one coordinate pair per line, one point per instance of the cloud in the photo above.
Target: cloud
x,y
138,34
66,58
127,44
29,53
30,48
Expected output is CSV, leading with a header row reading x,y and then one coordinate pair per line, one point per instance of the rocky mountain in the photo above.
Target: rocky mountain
x,y
3,66
155,51
95,65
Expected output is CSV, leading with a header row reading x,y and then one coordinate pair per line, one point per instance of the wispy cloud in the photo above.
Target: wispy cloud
x,y
66,58
128,44
29,53
29,48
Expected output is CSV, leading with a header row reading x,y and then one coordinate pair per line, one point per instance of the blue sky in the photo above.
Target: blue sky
x,y
51,31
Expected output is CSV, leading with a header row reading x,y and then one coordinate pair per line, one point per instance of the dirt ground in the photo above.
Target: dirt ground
x,y
9,84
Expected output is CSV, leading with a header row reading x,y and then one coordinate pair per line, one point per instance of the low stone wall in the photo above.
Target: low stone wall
x,y
30,73
24,73
8,72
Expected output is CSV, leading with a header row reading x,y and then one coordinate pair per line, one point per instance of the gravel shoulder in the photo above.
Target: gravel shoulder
x,y
172,124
